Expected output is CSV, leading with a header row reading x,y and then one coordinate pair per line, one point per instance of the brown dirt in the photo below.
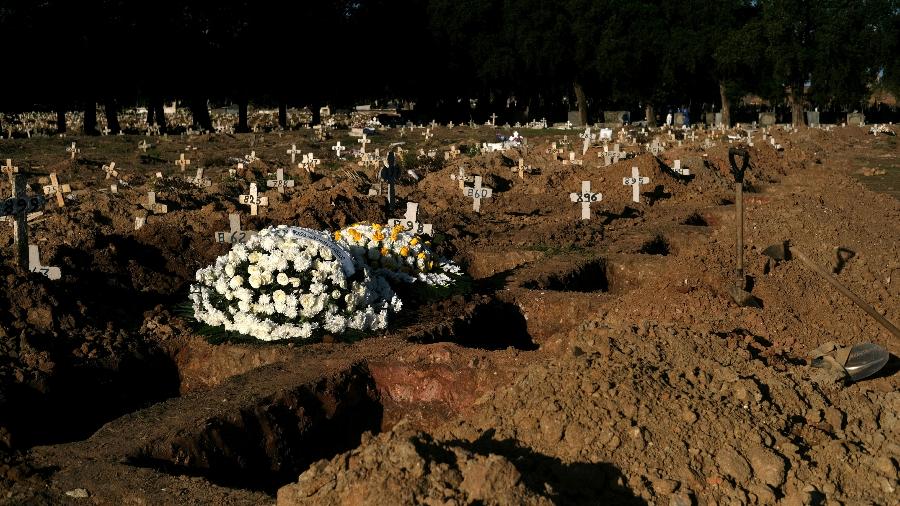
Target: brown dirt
x,y
596,361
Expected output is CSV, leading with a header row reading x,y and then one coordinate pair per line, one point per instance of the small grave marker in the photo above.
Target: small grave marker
x,y
182,162
427,134
363,140
143,146
635,181
293,152
139,221
337,148
110,170
587,140
10,172
409,220
198,180
153,206
476,193
680,171
254,200
585,197
73,150
656,147
18,207
55,188
280,182
462,178
235,234
251,157
494,119
34,264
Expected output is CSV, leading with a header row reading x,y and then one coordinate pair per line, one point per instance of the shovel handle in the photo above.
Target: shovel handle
x,y
850,295
745,162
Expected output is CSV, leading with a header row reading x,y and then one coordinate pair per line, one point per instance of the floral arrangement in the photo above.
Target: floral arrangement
x,y
290,282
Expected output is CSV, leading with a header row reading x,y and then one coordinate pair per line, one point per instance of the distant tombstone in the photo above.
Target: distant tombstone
x,y
574,119
235,234
476,193
679,119
143,146
73,150
605,134
182,162
585,197
616,117
110,170
293,152
409,220
812,118
198,180
337,148
325,111
767,119
856,119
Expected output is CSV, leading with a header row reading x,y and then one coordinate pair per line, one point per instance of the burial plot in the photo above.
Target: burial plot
x,y
585,197
409,220
235,234
18,206
635,181
476,193
253,200
58,189
34,264
280,182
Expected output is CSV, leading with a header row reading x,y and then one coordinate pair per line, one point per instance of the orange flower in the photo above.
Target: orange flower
x,y
404,251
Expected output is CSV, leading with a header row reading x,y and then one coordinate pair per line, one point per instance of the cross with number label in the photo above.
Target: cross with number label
x,y
337,148
476,193
18,206
73,150
585,198
10,171
153,206
58,189
293,152
198,180
635,181
254,200
462,178
309,162
182,162
280,182
235,234
363,140
678,170
409,220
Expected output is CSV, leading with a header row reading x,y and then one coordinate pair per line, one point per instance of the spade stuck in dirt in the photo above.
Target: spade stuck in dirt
x,y
738,288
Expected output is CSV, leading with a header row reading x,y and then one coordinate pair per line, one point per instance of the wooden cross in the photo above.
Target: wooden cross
x,y
18,206
476,193
293,152
521,168
280,182
199,181
110,170
388,176
254,200
153,206
235,234
73,150
427,134
337,148
585,198
656,147
58,189
573,161
493,119
635,181
453,153
182,162
143,146
409,220
105,131
251,157
10,172
462,178
363,140
678,170
308,163
34,264
587,140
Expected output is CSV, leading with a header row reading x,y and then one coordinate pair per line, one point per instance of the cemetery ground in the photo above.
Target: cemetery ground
x,y
595,361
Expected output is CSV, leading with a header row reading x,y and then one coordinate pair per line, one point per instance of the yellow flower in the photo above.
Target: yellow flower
x,y
337,235
384,252
376,227
421,255
414,241
378,236
430,264
354,234
404,251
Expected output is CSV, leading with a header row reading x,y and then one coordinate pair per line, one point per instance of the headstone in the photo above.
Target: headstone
x,y
337,148
198,180
110,170
363,141
635,181
766,119
856,119
585,197
409,220
55,188
253,200
476,193
182,162
235,234
293,152
812,118
73,150
280,182
574,119
34,264
153,206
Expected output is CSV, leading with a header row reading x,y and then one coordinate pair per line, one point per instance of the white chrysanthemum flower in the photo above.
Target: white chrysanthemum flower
x,y
236,282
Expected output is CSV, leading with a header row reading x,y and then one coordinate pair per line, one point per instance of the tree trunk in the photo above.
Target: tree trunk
x,y
242,126
650,115
316,113
581,100
201,113
112,115
60,120
282,116
151,113
798,119
90,118
160,115
726,105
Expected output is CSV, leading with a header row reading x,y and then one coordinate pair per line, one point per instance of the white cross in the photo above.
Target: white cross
x,y
494,119
280,182
235,234
72,149
34,264
678,170
10,171
585,198
462,178
476,193
183,162
409,220
251,157
364,140
199,181
105,131
110,170
293,152
656,147
635,181
308,163
337,148
58,189
427,134
254,200
153,206
587,140
143,146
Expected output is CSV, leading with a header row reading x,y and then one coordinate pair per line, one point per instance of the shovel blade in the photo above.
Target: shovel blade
x,y
865,360
742,297
778,252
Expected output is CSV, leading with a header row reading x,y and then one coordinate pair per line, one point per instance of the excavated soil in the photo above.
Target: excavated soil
x,y
592,362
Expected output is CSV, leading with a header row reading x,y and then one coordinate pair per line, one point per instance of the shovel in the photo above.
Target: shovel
x,y
785,251
857,362
738,290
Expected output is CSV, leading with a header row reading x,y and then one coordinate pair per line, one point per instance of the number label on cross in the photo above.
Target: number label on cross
x,y
476,193
585,197
635,182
